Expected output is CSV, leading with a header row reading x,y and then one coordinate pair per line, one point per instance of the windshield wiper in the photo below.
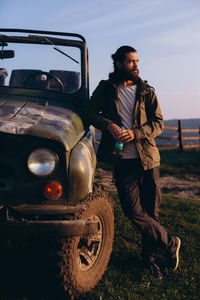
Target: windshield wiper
x,y
59,50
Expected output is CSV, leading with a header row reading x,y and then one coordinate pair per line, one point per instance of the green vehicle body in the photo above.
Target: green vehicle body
x,y
56,223
42,118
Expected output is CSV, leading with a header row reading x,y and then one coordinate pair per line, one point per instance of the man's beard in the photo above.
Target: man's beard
x,y
131,75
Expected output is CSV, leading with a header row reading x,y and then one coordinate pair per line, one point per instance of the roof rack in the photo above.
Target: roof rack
x,y
43,32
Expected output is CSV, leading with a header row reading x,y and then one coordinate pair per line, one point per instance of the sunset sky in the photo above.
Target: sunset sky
x,y
166,34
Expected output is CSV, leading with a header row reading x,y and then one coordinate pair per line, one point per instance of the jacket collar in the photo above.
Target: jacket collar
x,y
142,86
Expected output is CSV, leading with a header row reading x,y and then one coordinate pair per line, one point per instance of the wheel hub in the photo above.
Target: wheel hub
x,y
88,249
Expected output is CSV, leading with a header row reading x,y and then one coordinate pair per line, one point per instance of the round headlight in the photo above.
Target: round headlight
x,y
42,162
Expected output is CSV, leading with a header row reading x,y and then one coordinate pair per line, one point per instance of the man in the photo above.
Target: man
x,y
125,100
3,75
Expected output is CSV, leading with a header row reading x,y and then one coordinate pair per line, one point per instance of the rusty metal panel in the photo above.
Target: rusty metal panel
x,y
30,113
10,109
47,121
2,102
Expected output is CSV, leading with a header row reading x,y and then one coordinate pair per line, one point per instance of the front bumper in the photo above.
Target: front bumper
x,y
47,229
10,228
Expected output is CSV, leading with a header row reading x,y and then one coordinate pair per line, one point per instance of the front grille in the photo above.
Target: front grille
x,y
11,144
6,171
2,185
12,159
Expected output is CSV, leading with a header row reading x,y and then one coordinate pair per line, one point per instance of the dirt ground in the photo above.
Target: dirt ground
x,y
187,187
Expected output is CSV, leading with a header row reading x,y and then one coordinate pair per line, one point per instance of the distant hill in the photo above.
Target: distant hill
x,y
186,123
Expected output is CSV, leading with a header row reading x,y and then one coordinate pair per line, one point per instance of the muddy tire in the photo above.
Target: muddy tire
x,y
85,259
62,267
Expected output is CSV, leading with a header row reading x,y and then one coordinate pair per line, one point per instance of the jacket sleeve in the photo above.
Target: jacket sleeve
x,y
154,125
92,112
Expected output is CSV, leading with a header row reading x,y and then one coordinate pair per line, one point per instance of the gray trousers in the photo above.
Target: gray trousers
x,y
140,197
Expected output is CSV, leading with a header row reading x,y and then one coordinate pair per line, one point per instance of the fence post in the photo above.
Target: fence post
x,y
180,135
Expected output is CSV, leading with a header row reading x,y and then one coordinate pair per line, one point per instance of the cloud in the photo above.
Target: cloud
x,y
89,14
160,20
183,36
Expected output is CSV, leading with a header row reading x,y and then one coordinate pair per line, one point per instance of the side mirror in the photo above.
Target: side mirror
x,y
7,54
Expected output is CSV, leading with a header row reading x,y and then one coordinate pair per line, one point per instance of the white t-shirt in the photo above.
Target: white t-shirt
x,y
126,95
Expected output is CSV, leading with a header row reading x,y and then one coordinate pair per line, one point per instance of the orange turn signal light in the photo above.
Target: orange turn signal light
x,y
53,190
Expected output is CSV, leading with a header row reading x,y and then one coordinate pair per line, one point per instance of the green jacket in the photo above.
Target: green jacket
x,y
103,109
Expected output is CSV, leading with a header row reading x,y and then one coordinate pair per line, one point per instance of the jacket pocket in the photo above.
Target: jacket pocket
x,y
151,142
151,151
142,117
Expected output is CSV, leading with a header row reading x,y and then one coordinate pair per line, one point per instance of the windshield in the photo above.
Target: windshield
x,y
41,66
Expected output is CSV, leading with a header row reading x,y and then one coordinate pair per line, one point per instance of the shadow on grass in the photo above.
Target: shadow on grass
x,y
126,262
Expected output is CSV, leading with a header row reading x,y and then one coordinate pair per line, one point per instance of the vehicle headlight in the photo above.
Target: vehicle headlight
x,y
42,162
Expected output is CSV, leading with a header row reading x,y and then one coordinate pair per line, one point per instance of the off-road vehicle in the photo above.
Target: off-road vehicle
x,y
56,225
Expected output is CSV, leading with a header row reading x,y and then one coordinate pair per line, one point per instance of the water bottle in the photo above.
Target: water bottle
x,y
118,146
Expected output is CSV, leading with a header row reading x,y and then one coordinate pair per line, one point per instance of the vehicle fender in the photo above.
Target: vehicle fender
x,y
81,170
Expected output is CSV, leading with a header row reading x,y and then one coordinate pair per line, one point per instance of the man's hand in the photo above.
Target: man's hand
x,y
123,136
115,130
126,136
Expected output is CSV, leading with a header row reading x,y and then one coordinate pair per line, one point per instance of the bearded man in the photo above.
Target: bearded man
x,y
3,75
125,100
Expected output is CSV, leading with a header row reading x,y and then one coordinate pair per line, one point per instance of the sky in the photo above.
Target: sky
x,y
166,34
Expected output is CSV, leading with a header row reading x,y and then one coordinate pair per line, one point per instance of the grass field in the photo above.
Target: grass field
x,y
125,278
175,163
